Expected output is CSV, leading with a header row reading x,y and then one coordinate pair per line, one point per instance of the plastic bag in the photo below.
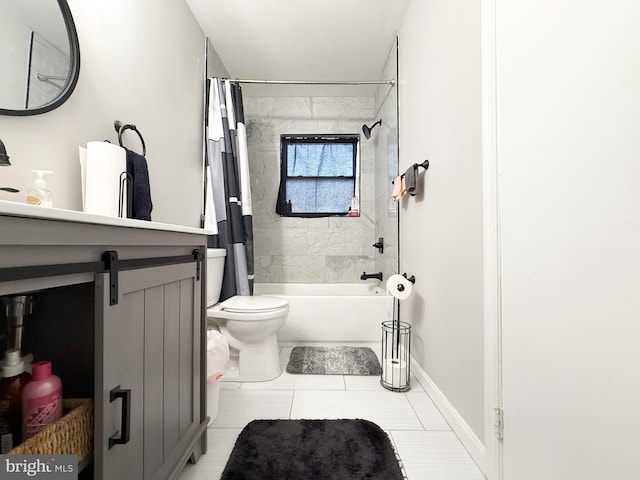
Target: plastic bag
x,y
217,355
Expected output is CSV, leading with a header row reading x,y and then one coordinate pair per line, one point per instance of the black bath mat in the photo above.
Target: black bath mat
x,y
333,361
312,449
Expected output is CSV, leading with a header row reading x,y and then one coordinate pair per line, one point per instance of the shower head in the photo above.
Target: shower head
x,y
367,130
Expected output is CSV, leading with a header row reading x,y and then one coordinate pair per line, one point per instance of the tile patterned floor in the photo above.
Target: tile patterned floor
x,y
427,447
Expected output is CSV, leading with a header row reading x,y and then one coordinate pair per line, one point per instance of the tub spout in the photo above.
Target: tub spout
x,y
366,276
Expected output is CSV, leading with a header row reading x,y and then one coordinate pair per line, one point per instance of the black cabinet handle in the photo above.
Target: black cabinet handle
x,y
125,426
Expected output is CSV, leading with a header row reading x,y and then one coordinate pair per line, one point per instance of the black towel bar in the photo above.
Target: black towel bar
x,y
120,128
424,165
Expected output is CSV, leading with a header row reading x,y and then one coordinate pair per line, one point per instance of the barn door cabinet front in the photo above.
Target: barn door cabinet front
x,y
147,406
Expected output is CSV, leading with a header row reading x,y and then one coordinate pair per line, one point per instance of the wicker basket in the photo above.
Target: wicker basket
x,y
71,435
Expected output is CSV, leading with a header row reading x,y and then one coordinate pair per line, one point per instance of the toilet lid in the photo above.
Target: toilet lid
x,y
253,304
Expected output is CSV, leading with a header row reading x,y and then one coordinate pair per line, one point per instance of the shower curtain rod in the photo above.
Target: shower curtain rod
x,y
313,82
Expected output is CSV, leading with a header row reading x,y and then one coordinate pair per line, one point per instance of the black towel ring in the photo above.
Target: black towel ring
x,y
120,128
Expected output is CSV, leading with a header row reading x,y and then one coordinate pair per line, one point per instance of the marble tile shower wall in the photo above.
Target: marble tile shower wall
x,y
45,57
308,250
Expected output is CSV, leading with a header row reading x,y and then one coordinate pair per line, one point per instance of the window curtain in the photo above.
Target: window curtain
x,y
228,190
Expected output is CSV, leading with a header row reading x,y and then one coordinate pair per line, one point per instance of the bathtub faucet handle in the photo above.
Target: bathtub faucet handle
x,y
379,245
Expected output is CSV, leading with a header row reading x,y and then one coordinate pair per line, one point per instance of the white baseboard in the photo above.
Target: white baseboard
x,y
467,437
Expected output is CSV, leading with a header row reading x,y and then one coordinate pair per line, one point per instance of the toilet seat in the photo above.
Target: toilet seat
x,y
253,304
249,309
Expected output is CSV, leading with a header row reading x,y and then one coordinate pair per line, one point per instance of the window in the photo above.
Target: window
x,y
318,175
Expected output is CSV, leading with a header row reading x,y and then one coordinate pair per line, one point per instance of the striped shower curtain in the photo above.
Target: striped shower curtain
x,y
228,191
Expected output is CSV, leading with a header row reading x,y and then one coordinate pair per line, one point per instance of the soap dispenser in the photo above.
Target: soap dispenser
x,y
39,194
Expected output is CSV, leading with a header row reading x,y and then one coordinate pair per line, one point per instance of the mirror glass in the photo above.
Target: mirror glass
x,y
39,55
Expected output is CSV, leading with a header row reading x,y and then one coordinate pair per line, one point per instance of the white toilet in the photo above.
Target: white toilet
x,y
249,323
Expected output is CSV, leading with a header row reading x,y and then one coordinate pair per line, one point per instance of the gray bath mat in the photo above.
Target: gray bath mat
x,y
333,361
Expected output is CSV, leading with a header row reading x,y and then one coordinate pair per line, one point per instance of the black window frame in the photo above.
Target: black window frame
x,y
283,205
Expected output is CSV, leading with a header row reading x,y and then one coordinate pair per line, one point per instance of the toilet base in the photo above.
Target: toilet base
x,y
256,362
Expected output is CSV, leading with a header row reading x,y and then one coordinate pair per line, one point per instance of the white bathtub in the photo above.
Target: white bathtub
x,y
330,312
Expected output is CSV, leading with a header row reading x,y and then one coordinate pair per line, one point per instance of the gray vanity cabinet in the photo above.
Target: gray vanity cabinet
x,y
127,331
149,352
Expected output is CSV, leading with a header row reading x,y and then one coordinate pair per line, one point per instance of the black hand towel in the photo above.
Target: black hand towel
x,y
141,205
411,180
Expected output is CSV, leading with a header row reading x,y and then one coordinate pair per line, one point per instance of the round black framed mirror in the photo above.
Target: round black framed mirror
x,y
39,56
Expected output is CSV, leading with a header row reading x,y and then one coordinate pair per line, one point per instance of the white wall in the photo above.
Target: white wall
x,y
568,103
441,228
142,62
215,65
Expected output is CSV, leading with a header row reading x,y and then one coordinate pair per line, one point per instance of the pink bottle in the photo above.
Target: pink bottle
x,y
41,400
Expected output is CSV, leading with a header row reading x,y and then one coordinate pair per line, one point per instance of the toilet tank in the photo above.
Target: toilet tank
x,y
215,272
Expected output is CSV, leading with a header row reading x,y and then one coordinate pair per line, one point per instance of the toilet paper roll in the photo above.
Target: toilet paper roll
x,y
399,287
395,373
103,165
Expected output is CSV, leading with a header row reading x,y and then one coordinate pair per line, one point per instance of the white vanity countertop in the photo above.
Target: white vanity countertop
x,y
16,209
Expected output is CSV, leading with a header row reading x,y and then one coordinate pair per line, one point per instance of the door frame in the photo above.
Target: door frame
x,y
491,248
